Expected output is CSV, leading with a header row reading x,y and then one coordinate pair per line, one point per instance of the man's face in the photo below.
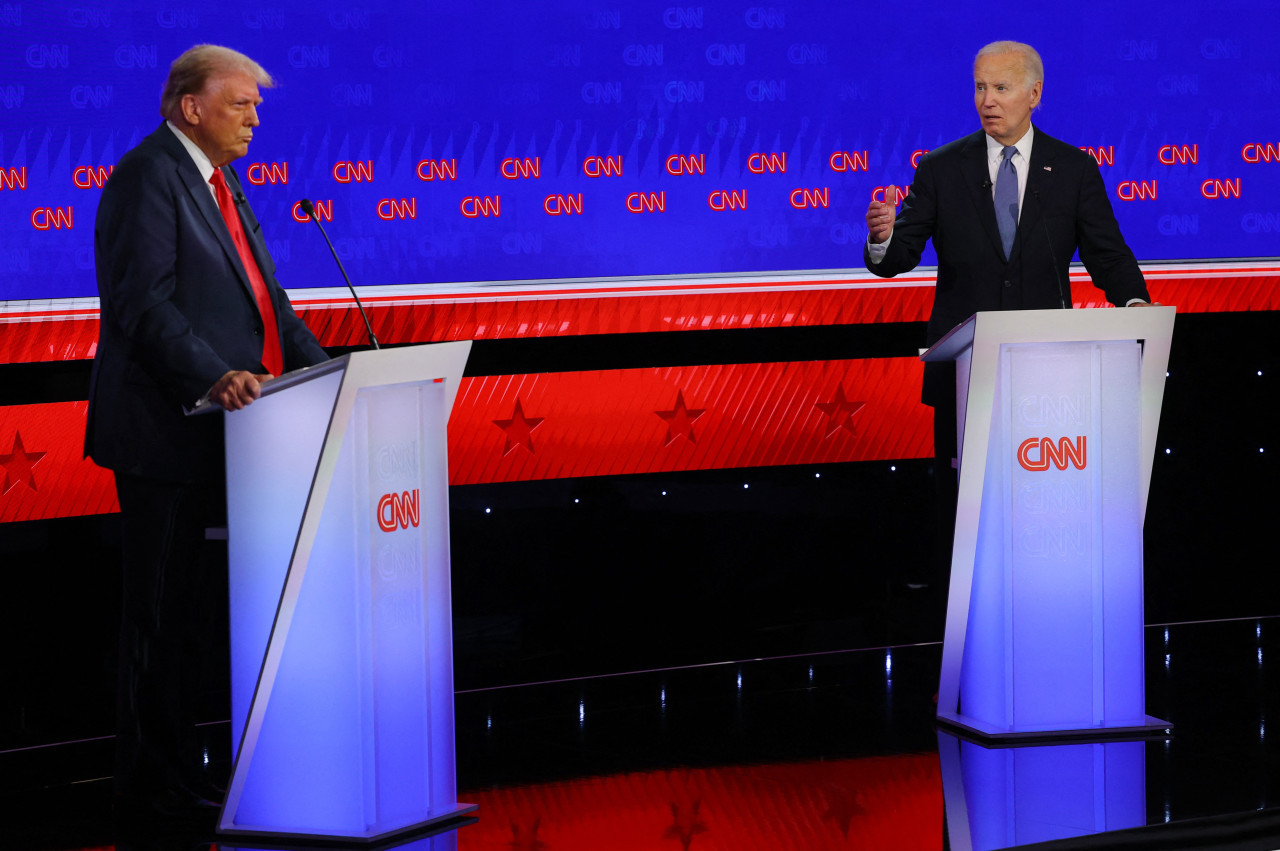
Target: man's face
x,y
1004,96
223,115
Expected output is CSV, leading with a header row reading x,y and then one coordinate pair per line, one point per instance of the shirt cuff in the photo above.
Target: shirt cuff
x,y
877,252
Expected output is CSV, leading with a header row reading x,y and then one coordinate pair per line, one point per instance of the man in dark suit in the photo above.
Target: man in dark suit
x,y
1007,208
191,315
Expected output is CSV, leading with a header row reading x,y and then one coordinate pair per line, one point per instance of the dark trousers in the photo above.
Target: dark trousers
x,y
946,483
166,621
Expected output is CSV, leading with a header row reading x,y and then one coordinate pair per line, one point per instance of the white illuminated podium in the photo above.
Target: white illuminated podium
x,y
341,643
1057,414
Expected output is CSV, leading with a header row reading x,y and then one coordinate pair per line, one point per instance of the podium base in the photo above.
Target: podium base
x,y
988,734
451,820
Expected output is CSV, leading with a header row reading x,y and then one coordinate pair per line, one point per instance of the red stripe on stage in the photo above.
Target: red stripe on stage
x,y
49,334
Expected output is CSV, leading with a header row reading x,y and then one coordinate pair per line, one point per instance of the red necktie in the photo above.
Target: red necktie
x,y
272,359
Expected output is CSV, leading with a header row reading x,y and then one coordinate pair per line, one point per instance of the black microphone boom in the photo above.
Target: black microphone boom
x,y
1053,257
310,210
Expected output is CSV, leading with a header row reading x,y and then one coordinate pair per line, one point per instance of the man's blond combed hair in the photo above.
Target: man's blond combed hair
x,y
191,71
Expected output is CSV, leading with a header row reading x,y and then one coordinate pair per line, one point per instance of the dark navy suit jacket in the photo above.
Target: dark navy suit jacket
x,y
1064,209
177,313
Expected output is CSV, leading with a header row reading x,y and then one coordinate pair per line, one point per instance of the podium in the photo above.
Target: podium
x,y
1057,412
341,641
1013,796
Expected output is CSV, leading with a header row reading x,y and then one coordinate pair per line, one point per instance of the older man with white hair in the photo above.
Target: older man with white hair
x,y
191,313
1007,208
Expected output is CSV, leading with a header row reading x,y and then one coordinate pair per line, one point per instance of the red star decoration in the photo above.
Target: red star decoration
x,y
18,465
524,835
842,808
685,823
840,412
519,429
680,420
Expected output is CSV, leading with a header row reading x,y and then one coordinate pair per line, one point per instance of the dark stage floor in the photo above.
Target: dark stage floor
x,y
834,750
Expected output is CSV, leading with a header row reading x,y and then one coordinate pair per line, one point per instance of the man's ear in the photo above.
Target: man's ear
x,y
190,108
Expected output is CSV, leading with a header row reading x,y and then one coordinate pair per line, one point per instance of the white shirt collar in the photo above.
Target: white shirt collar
x,y
995,149
203,164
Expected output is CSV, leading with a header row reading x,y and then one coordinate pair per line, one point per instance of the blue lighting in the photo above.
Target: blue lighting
x,y
888,663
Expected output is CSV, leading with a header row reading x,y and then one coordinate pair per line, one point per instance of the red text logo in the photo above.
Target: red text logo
x,y
390,209
772,163
848,161
398,511
13,178
720,200
346,171
1175,154
90,177
260,174
1046,452
474,206
678,165
513,168
647,202
438,170
563,205
602,166
324,211
1104,155
1220,188
803,199
1256,153
1136,190
57,218
916,155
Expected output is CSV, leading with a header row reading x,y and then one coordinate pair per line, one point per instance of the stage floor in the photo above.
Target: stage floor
x,y
835,750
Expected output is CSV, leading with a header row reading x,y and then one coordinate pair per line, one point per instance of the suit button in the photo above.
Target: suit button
x,y
1008,284
257,332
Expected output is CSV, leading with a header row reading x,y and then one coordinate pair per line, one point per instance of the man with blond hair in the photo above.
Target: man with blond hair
x,y
1006,207
191,314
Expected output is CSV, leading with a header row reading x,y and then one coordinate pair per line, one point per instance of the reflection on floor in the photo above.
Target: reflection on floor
x,y
826,751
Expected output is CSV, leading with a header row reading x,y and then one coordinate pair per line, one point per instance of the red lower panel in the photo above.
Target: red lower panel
x,y
621,422
557,425
879,802
42,471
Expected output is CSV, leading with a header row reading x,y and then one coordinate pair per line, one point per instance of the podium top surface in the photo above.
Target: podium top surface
x,y
1053,326
376,367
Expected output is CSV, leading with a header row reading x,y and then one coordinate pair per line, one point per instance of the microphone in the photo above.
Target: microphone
x,y
310,210
986,184
1053,257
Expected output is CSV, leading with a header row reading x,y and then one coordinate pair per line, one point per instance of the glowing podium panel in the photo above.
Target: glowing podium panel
x,y
341,641
1057,414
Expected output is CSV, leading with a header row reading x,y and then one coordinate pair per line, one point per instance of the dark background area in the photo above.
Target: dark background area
x,y
574,577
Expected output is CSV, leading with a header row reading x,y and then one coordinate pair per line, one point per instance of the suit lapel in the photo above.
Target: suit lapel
x,y
202,196
1039,186
978,178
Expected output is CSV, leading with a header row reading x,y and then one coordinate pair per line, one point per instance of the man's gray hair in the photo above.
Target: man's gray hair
x,y
1030,59
191,71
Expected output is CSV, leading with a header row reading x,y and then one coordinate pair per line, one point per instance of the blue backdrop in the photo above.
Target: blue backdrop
x,y
419,128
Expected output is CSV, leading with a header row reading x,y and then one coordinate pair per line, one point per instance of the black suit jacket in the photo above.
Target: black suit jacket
x,y
1064,209
177,313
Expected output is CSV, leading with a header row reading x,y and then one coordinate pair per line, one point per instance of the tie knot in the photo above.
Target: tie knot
x,y
1008,152
219,181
